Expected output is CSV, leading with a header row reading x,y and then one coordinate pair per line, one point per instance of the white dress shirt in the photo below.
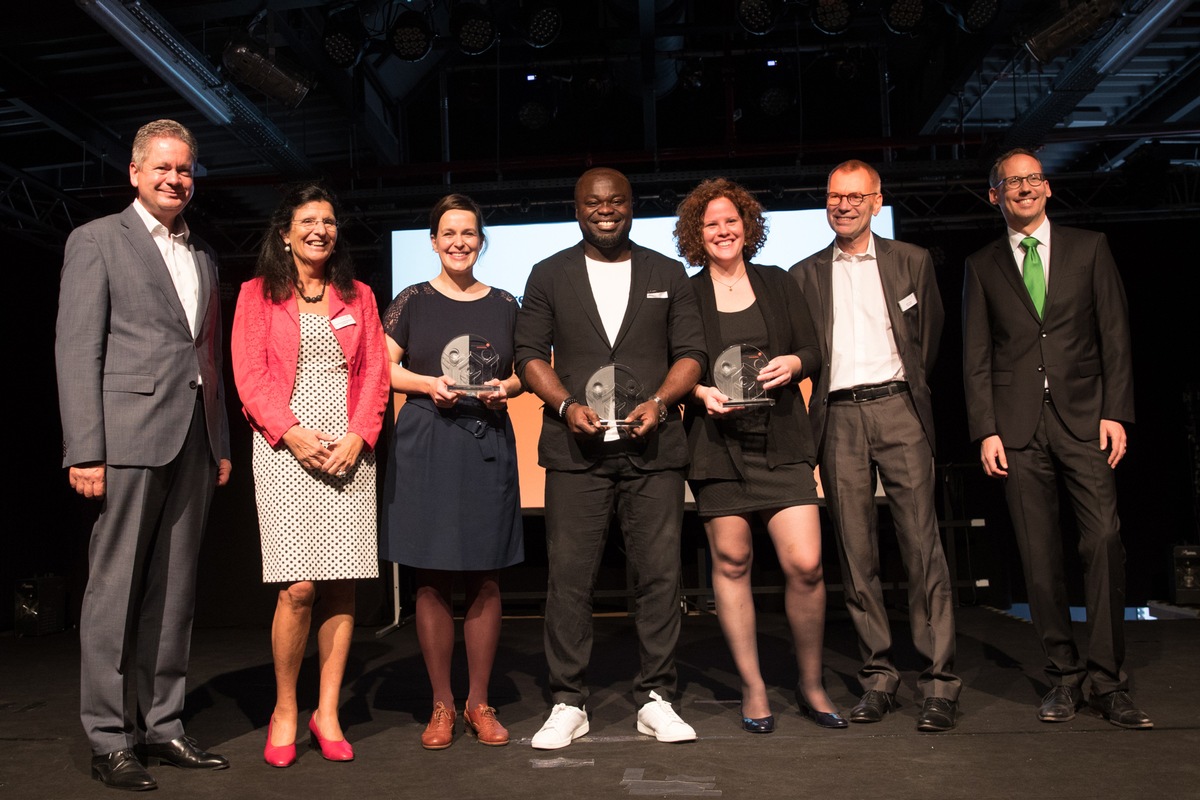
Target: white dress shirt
x,y
863,349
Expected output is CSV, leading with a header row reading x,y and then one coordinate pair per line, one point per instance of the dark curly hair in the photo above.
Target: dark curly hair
x,y
689,240
276,266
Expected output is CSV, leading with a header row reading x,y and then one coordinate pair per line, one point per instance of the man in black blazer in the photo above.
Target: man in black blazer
x,y
878,315
608,301
1049,385
138,352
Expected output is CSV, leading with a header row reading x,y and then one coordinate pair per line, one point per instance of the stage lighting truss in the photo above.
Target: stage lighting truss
x,y
973,16
902,17
831,16
542,24
1067,29
344,38
410,36
472,28
759,17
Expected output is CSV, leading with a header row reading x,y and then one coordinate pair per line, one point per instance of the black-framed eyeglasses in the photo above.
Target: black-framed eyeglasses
x,y
1014,181
854,198
308,223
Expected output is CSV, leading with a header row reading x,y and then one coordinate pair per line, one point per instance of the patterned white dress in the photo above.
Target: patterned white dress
x,y
315,527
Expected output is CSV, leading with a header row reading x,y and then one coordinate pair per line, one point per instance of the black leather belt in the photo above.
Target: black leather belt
x,y
870,391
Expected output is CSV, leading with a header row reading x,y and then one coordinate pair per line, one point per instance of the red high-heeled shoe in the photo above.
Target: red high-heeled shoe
x,y
283,755
330,750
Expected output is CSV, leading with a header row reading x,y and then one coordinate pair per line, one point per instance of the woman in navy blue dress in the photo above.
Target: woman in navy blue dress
x,y
453,502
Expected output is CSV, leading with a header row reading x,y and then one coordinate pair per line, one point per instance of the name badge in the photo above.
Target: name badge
x,y
656,295
908,302
348,319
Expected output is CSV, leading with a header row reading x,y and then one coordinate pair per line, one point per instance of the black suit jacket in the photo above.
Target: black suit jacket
x,y
907,274
789,330
1080,348
559,315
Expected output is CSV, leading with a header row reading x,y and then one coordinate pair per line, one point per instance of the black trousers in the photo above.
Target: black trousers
x,y
579,506
1033,502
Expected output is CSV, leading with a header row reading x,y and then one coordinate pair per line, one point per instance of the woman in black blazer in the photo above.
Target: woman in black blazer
x,y
757,460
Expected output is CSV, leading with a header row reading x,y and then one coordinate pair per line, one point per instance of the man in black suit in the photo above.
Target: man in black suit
x,y
608,301
876,306
138,350
1049,385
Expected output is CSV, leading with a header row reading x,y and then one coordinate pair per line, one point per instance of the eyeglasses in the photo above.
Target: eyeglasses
x,y
854,198
308,223
1014,181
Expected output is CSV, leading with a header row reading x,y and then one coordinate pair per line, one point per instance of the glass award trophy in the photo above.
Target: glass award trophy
x,y
736,376
470,362
613,392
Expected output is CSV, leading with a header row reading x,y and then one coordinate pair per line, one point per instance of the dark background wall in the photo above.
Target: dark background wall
x,y
48,533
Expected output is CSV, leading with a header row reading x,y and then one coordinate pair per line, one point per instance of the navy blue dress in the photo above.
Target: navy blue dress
x,y
452,500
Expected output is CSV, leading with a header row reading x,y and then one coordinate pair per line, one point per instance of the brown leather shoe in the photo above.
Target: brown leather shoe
x,y
483,723
439,733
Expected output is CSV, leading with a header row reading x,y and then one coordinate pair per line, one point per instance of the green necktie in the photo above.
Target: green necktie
x,y
1031,271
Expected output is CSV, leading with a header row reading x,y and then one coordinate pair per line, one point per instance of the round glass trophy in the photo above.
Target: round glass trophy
x,y
736,374
470,362
613,392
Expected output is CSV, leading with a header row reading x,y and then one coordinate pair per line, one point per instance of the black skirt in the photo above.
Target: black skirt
x,y
760,488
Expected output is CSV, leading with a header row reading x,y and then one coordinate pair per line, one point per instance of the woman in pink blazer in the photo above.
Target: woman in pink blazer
x,y
311,368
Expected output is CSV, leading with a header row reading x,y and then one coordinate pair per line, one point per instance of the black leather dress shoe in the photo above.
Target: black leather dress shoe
x,y
181,752
873,705
120,769
937,714
1059,704
1118,708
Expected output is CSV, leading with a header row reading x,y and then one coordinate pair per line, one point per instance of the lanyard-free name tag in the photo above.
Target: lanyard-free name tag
x,y
908,302
342,321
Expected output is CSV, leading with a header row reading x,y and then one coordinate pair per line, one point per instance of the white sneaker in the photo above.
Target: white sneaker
x,y
659,720
565,725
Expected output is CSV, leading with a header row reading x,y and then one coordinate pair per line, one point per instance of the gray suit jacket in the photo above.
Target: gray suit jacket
x,y
662,325
127,361
905,270
1080,347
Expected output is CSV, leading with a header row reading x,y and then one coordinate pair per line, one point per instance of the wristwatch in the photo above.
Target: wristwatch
x,y
567,402
662,408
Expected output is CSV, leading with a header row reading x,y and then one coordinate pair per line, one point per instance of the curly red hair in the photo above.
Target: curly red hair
x,y
689,240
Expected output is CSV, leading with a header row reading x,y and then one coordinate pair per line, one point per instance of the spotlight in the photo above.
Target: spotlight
x,y
774,101
973,16
831,16
1075,25
411,35
758,17
542,25
472,28
248,62
534,115
344,38
902,16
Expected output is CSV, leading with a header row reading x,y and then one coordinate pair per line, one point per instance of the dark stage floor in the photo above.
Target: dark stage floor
x,y
999,749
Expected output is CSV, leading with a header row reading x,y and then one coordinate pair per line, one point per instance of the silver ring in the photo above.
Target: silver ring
x,y
341,473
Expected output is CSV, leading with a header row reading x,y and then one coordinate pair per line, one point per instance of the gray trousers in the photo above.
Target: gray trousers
x,y
883,439
136,625
579,506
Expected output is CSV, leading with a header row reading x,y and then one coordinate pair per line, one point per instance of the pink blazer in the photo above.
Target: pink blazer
x,y
266,345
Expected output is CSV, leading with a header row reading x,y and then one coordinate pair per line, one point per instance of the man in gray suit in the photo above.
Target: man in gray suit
x,y
1048,372
138,351
876,306
605,301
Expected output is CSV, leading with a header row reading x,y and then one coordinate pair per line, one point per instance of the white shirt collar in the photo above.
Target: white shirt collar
x,y
1042,234
153,225
869,255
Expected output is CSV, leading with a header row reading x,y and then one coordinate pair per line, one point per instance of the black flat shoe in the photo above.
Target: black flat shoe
x,y
937,715
824,719
120,769
1059,704
182,752
759,725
